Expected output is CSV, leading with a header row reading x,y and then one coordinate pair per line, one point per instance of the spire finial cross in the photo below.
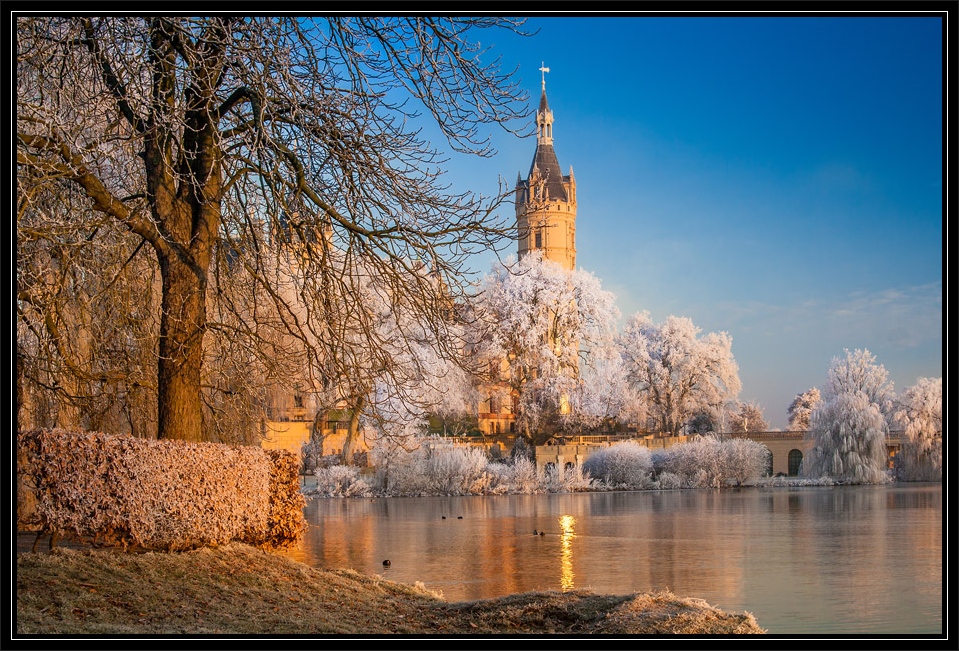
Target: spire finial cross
x,y
544,70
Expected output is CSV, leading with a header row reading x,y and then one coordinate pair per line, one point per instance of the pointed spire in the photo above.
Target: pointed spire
x,y
544,117
545,167
543,104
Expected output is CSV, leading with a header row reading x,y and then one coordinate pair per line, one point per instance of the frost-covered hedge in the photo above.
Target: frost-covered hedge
x,y
622,466
431,466
710,462
340,481
703,462
286,521
158,494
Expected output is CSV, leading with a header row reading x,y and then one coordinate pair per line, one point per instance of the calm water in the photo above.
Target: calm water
x,y
804,561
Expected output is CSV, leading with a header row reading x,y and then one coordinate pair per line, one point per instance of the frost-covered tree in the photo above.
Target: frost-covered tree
x,y
919,412
545,323
848,429
801,408
749,418
602,396
677,373
204,139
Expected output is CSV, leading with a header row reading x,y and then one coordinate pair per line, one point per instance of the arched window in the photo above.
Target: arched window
x,y
795,461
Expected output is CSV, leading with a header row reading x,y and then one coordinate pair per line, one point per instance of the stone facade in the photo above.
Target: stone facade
x,y
293,434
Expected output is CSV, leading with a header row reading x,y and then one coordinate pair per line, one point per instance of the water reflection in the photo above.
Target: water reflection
x,y
818,560
566,554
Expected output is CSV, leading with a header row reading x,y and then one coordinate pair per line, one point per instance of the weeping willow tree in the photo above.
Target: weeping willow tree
x,y
848,427
229,184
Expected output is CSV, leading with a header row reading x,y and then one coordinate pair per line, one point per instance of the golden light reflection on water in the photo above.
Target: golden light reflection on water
x,y
566,523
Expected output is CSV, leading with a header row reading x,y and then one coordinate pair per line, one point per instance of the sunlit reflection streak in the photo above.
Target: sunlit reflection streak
x,y
566,523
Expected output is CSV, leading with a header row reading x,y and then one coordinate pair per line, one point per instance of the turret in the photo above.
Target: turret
x,y
546,200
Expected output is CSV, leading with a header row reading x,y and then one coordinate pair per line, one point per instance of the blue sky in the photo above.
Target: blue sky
x,y
777,178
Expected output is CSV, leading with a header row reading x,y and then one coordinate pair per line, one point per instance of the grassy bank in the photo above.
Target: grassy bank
x,y
242,590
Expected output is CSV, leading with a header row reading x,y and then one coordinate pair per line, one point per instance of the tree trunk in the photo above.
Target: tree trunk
x,y
353,431
21,411
182,324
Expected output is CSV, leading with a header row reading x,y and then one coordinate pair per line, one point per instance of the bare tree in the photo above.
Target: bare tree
x,y
88,323
230,147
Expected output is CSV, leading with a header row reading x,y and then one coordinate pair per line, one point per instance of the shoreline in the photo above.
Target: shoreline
x,y
241,590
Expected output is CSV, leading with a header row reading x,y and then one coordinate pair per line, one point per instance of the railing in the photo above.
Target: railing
x,y
759,436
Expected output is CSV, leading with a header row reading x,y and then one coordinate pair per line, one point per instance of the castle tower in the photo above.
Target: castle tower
x,y
546,200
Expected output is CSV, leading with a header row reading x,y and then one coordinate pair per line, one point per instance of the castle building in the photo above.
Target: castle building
x,y
546,221
546,200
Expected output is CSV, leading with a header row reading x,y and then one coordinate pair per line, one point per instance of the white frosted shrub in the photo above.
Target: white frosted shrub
x,y
518,476
499,473
694,462
458,470
708,462
573,479
670,481
702,478
403,476
623,466
431,467
744,460
340,481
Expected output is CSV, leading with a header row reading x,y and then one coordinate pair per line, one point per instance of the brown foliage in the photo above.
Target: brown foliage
x,y
156,494
286,521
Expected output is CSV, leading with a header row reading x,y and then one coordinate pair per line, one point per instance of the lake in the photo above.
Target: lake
x,y
803,560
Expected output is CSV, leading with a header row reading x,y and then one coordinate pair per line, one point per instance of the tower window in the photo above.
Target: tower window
x,y
539,239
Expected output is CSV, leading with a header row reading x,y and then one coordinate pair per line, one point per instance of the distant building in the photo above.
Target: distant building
x,y
546,200
546,222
